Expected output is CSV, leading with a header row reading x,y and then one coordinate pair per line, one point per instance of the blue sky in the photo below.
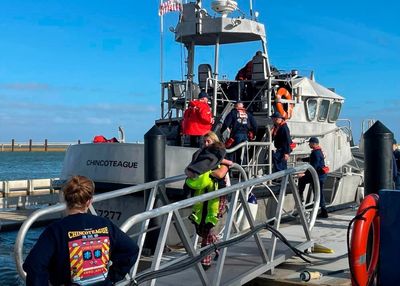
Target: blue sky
x,y
70,70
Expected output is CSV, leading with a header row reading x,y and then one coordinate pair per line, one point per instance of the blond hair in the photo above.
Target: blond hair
x,y
212,136
78,191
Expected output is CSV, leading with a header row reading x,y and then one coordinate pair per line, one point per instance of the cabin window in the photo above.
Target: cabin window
x,y
323,110
311,106
334,111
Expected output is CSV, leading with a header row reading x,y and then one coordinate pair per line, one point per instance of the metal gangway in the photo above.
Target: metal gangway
x,y
243,254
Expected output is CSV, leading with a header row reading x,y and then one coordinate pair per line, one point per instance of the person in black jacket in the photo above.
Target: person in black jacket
x,y
281,137
317,161
396,165
242,126
80,247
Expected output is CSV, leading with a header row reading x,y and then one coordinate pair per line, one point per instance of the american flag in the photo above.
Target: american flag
x,y
168,6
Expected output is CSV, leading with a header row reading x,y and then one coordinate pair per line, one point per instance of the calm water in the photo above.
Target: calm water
x,y
15,166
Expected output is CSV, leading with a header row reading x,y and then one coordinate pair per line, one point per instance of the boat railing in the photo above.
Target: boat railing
x,y
255,157
237,194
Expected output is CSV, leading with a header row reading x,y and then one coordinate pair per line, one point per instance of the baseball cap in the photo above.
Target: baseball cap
x,y
203,94
313,140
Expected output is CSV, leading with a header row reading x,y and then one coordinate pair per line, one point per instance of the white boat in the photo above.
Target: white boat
x,y
315,112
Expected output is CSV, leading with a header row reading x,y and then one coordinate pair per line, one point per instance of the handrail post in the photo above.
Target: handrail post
x,y
6,189
31,188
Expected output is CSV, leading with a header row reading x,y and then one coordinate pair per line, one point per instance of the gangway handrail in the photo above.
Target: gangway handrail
x,y
168,209
236,191
18,248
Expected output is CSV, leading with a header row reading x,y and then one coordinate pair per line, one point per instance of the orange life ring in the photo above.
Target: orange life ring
x,y
362,271
283,92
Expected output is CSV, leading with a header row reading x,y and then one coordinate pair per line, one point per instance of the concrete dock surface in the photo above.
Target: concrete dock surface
x,y
330,233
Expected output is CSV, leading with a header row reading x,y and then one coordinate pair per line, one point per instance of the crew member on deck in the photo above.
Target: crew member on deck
x,y
282,141
66,248
317,161
242,126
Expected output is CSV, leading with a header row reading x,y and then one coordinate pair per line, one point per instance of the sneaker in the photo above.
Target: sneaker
x,y
206,266
323,213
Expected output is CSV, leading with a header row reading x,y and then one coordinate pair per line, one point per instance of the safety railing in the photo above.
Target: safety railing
x,y
255,157
238,196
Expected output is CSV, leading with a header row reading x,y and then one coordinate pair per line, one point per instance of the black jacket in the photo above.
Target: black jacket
x,y
282,139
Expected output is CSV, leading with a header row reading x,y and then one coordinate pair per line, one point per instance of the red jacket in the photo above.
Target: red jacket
x,y
197,118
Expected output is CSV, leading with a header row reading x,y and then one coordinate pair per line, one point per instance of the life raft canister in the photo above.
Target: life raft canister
x,y
363,270
283,93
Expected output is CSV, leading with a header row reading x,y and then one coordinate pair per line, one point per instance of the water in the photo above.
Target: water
x,y
30,165
19,166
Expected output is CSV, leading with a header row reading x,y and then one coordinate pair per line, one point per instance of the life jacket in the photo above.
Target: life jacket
x,y
197,118
274,131
241,123
201,185
102,139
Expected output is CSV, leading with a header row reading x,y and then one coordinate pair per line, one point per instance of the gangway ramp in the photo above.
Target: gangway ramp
x,y
243,262
237,263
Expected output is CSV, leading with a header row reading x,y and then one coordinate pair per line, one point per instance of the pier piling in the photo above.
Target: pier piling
x,y
378,153
154,169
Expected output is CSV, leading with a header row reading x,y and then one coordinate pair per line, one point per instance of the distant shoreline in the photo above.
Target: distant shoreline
x,y
31,146
34,149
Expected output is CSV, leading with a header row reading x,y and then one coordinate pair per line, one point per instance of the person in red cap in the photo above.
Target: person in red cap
x,y
317,161
197,119
282,140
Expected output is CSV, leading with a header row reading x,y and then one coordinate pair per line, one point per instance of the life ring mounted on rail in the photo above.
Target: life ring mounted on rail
x,y
364,271
284,93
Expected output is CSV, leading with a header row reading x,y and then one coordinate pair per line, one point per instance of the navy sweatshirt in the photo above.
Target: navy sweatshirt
x,y
79,248
317,160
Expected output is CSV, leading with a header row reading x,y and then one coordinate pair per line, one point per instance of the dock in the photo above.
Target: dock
x,y
330,233
19,198
11,220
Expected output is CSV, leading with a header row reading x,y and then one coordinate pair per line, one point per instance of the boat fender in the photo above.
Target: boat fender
x,y
252,200
284,93
367,216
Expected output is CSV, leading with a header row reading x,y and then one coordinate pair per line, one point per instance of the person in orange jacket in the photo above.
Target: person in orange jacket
x,y
197,119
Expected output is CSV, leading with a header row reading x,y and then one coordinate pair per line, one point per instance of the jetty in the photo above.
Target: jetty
x,y
35,146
